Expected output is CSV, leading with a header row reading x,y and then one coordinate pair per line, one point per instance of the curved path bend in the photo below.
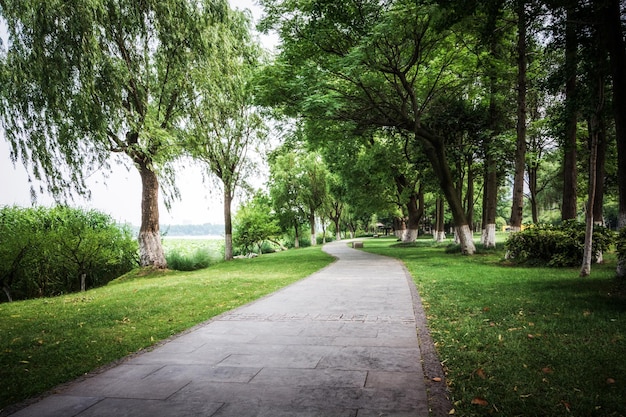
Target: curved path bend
x,y
339,343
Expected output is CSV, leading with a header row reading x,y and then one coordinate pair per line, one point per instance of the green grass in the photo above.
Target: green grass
x,y
527,341
192,254
46,342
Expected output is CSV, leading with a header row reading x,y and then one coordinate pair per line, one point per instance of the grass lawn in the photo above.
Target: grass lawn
x,y
520,341
46,342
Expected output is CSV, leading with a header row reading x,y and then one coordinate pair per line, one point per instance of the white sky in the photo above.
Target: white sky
x,y
120,193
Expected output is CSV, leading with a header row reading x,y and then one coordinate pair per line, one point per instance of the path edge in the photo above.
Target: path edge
x,y
439,403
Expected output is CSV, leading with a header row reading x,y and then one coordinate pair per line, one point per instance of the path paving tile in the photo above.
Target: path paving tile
x,y
340,343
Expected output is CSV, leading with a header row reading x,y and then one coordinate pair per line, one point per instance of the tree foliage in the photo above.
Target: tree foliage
x,y
254,224
224,126
85,78
45,252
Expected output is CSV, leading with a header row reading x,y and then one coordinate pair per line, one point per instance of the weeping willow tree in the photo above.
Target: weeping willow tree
x,y
224,127
83,79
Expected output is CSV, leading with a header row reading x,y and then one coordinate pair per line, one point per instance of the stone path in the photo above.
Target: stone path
x,y
340,343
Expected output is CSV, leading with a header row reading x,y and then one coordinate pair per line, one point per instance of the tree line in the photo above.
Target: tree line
x,y
468,96
416,109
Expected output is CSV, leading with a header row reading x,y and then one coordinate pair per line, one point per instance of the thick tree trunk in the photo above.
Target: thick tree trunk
x,y
228,224
399,227
435,152
415,210
517,208
150,247
569,207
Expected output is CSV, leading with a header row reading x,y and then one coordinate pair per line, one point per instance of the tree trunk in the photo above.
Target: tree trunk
x,y
585,270
399,227
517,209
434,149
312,221
610,25
83,278
488,237
415,209
150,247
440,233
7,292
614,38
569,207
598,201
469,197
296,243
533,170
228,224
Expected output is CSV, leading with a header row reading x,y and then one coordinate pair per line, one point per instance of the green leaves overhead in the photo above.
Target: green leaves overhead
x,y
88,77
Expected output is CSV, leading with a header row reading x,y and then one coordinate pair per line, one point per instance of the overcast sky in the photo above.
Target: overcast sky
x,y
120,194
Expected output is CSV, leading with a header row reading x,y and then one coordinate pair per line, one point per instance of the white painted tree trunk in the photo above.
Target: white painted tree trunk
x,y
410,235
151,250
440,236
490,236
466,239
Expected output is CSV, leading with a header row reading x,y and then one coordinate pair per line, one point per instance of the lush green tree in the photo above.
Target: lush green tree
x,y
224,126
50,251
298,187
254,224
373,64
85,78
284,186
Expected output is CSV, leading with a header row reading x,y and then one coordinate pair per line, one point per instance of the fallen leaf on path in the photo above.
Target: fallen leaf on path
x,y
436,379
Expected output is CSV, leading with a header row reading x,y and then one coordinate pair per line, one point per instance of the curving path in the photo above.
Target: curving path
x,y
340,343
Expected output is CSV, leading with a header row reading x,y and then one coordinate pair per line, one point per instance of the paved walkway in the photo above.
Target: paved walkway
x,y
340,343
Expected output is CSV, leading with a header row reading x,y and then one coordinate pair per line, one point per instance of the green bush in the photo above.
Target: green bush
x,y
179,261
52,251
556,246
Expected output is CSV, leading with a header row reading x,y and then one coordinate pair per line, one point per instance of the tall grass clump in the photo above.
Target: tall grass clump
x,y
180,261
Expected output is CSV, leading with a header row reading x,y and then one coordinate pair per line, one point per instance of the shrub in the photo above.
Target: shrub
x,y
556,246
51,251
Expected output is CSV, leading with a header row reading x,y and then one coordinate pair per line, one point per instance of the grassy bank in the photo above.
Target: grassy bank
x,y
518,341
45,342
